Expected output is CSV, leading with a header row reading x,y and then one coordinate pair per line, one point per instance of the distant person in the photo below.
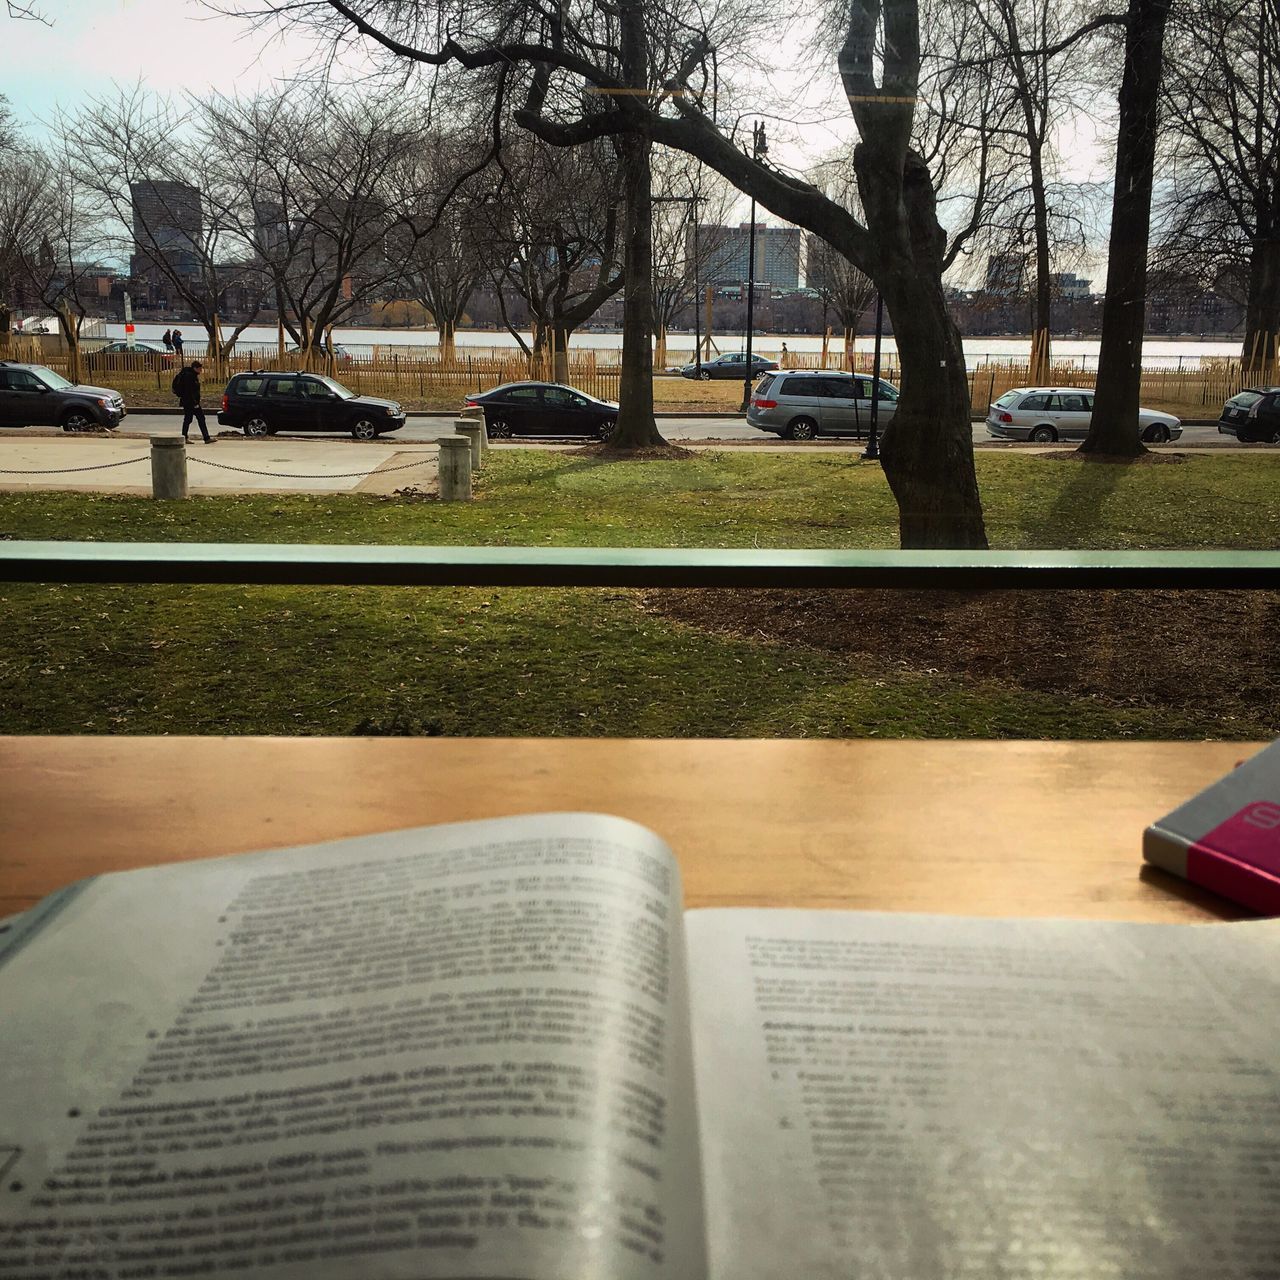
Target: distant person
x,y
167,339
186,386
176,339
783,361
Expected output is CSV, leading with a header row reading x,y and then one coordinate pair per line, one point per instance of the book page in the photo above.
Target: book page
x,y
448,1052
931,1098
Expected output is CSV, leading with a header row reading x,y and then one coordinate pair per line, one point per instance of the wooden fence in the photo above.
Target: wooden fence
x,y
389,372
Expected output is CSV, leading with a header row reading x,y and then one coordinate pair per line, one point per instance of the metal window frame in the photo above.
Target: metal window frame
x,y
315,564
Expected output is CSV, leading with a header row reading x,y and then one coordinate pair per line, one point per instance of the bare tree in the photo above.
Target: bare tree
x,y
441,247
1114,427
26,208
552,231
324,184
1220,212
155,174
646,72
59,260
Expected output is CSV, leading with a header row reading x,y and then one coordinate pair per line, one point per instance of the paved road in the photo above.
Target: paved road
x,y
421,427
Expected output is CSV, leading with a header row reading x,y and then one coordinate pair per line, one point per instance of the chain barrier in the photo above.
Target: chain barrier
x,y
328,475
62,471
222,466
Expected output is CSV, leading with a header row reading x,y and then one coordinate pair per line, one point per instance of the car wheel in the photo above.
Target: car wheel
x,y
77,420
256,428
1044,435
606,428
1274,437
802,429
1157,434
499,430
365,429
705,375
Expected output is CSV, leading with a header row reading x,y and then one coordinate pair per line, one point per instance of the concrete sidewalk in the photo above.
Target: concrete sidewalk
x,y
98,464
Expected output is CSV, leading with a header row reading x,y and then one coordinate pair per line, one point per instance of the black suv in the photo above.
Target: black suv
x,y
261,404
33,396
1254,414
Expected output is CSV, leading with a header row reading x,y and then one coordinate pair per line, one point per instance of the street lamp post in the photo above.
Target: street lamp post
x,y
872,452
759,147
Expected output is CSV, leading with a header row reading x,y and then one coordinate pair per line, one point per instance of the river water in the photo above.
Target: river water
x,y
1157,353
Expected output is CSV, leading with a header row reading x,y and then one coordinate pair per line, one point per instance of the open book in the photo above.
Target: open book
x,y
501,1050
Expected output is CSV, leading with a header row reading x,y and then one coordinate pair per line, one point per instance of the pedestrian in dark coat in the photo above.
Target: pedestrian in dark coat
x,y
167,339
186,386
176,339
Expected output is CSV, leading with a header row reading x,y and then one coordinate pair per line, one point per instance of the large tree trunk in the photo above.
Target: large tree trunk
x,y
1114,429
636,428
927,450
1262,315
1042,321
560,335
448,340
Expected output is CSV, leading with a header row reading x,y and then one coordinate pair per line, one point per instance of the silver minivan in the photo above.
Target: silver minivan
x,y
823,402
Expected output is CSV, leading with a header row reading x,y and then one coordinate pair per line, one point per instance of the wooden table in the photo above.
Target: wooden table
x,y
988,828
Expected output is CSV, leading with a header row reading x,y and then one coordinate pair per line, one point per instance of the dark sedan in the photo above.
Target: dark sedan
x,y
543,409
729,366
122,356
1253,415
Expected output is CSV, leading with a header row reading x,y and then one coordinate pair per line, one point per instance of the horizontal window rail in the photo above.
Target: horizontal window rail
x,y
448,566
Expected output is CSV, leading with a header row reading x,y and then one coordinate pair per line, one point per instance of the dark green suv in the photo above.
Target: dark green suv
x,y
261,404
33,396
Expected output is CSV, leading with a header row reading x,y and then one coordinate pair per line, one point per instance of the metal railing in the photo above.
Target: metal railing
x,y
438,566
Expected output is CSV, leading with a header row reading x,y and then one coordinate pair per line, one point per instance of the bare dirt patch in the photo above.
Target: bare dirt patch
x,y
606,453
1215,650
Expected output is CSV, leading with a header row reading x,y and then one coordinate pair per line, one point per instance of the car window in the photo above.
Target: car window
x,y
888,394
523,393
1074,403
54,381
764,384
248,386
1009,397
838,388
1088,403
17,380
1035,402
562,396
314,389
1245,399
281,387
802,387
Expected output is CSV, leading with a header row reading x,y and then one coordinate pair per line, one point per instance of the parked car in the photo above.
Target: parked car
x,y
544,409
1046,414
33,396
729,366
1252,415
261,404
823,402
119,355
340,353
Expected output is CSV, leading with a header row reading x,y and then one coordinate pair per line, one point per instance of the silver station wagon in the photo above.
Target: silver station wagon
x,y
1046,414
802,405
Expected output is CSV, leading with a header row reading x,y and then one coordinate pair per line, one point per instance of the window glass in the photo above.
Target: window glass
x,y
523,394
248,386
284,388
764,384
1037,401
331,384
50,379
1244,399
1074,403
1009,397
314,389
563,397
887,393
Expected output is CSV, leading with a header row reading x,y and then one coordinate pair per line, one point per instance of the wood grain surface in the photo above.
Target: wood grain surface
x,y
984,828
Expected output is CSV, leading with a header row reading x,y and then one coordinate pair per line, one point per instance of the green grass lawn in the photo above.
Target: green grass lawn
x,y
152,659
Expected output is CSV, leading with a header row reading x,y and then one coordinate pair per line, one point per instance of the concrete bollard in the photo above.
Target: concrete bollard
x,y
484,432
455,469
473,434
168,467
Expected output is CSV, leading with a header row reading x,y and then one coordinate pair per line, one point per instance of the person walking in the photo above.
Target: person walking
x,y
783,361
167,339
176,339
186,386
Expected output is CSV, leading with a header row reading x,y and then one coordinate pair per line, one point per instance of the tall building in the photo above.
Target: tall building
x,y
1006,274
168,229
270,227
777,255
1066,284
